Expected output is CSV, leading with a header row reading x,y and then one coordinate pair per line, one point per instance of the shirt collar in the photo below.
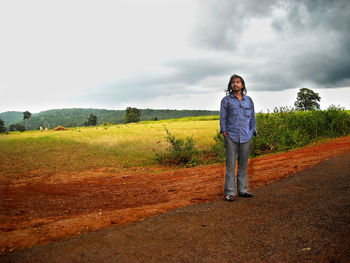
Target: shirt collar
x,y
233,96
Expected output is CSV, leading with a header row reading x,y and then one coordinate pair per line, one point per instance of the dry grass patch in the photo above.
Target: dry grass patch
x,y
85,148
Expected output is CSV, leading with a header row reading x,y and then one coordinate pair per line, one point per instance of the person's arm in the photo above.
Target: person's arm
x,y
223,115
252,124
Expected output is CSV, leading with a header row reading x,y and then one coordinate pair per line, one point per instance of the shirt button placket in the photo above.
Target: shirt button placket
x,y
240,120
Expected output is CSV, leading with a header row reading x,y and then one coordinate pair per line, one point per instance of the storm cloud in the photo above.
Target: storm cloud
x,y
275,45
310,40
177,53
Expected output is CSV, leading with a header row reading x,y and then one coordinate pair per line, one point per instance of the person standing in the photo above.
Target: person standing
x,y
238,126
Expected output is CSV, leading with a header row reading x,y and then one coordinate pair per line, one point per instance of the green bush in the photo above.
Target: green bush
x,y
218,149
287,129
179,152
282,130
17,127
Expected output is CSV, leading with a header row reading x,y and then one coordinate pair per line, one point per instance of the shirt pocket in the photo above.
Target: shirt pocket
x,y
233,109
247,110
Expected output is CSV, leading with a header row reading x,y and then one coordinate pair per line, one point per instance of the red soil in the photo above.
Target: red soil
x,y
46,208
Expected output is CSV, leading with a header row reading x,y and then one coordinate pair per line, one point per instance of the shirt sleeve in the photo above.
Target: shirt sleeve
x,y
252,124
223,115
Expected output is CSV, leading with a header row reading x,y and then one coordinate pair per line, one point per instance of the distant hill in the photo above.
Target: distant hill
x,y
77,117
10,117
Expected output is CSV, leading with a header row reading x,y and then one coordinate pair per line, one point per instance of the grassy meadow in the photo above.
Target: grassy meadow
x,y
119,146
135,145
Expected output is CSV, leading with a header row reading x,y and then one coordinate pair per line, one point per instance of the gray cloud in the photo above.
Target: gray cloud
x,y
222,22
324,30
182,75
312,40
192,71
311,45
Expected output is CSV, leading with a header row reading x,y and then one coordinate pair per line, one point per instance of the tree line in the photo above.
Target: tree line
x,y
306,100
15,121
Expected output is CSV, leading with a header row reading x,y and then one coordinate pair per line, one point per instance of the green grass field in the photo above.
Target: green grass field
x,y
135,145
120,146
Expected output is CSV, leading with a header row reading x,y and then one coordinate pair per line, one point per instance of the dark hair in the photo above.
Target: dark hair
x,y
229,88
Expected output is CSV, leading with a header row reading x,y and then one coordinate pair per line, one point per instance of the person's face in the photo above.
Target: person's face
x,y
236,85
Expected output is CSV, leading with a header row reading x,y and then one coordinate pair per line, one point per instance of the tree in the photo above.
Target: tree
x,y
307,100
17,127
26,116
2,126
132,115
92,120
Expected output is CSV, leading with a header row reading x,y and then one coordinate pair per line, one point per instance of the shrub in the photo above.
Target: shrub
x,y
287,129
17,127
218,149
179,152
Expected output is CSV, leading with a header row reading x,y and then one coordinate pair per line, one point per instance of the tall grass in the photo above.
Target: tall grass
x,y
286,129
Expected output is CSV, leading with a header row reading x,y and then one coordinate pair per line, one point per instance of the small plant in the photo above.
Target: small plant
x,y
218,149
179,152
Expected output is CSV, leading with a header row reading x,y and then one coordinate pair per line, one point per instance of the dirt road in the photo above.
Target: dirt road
x,y
43,210
302,218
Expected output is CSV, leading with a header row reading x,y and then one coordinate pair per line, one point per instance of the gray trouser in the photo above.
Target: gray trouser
x,y
232,150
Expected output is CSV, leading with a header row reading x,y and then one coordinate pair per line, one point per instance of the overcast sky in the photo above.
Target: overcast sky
x,y
171,54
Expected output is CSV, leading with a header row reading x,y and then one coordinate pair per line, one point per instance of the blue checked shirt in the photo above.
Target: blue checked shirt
x,y
237,118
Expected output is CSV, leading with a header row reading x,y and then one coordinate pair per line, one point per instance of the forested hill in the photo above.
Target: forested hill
x,y
10,117
77,117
